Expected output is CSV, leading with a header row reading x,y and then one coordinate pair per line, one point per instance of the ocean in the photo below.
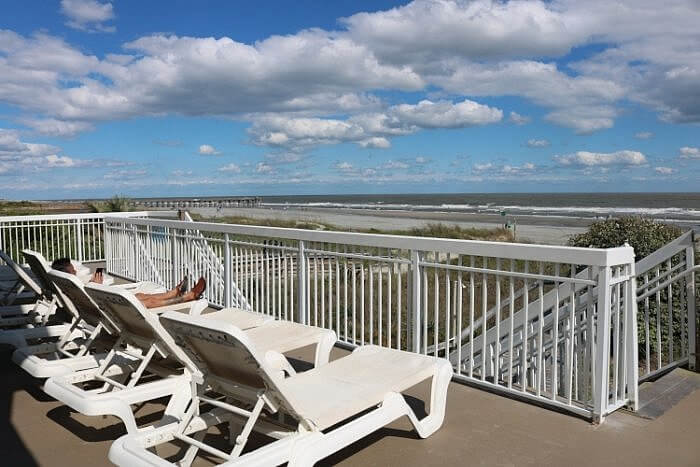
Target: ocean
x,y
667,206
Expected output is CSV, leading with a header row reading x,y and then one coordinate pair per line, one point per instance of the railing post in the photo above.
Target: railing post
x,y
690,294
78,240
601,377
174,256
632,351
227,272
135,242
107,246
415,316
301,283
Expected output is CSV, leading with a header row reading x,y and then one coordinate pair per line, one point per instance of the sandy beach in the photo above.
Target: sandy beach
x,y
535,229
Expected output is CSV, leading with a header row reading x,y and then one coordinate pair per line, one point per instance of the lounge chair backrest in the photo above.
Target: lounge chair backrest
x,y
88,310
21,273
40,267
135,324
222,350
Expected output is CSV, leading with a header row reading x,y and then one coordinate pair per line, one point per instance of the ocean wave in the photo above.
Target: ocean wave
x,y
513,209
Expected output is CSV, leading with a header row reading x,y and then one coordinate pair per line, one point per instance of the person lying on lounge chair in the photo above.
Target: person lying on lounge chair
x,y
179,294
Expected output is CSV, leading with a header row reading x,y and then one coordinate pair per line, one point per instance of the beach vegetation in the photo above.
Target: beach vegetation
x,y
19,208
643,234
116,203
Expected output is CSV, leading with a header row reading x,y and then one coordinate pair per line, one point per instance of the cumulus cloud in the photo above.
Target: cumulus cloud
x,y
644,135
88,15
518,119
17,156
537,143
232,168
208,150
371,130
597,159
478,48
264,168
503,170
664,170
690,152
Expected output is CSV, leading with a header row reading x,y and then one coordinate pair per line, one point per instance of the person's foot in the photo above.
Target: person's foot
x,y
182,287
199,288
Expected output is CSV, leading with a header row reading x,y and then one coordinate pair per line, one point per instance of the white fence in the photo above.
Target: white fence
x,y
666,300
78,236
520,319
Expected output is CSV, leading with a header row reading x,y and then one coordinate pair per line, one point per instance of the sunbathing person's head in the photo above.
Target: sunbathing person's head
x,y
64,265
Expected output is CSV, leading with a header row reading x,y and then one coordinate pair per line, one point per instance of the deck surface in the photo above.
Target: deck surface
x,y
480,429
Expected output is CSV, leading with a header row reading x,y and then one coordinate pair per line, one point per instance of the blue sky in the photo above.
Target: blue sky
x,y
279,97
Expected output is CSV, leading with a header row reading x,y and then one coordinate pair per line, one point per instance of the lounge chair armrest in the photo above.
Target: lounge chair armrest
x,y
193,308
279,363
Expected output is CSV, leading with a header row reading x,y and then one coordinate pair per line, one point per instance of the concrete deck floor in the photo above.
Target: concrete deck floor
x,y
480,429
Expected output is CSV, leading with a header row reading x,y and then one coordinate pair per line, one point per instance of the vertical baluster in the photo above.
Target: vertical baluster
x,y
511,319
484,316
647,334
362,301
524,343
371,303
337,290
323,291
555,335
399,295
471,317
354,299
389,309
448,308
459,327
497,342
669,292
658,319
540,332
380,299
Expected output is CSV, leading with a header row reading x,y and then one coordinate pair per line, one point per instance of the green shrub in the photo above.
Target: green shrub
x,y
643,234
115,204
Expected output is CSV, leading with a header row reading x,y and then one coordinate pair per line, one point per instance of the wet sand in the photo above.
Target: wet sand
x,y
535,229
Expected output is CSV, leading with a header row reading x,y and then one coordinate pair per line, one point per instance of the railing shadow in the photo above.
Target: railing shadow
x,y
14,451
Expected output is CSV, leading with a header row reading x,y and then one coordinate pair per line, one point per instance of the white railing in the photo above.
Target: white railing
x,y
423,295
666,300
77,236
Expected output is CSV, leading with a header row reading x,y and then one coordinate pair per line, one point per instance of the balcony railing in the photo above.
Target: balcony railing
x,y
546,323
555,344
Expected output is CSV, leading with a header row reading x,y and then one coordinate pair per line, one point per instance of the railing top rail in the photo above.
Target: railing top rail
x,y
98,215
547,253
665,252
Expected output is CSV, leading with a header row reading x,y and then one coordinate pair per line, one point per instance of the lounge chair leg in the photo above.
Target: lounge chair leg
x,y
438,396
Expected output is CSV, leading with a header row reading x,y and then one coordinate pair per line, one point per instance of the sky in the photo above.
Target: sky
x,y
182,98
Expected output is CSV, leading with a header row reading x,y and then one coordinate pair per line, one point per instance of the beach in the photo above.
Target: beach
x,y
533,229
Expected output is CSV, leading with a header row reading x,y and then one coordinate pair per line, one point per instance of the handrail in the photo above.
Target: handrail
x,y
665,252
52,217
547,253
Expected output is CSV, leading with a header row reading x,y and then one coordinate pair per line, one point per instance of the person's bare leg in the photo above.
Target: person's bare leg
x,y
153,301
173,293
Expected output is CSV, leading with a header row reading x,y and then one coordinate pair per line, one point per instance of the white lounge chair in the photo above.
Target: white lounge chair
x,y
16,284
90,335
122,370
332,406
25,322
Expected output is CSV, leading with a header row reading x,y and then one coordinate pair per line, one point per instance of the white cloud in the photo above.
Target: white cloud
x,y
370,130
690,152
233,168
391,165
60,161
464,48
664,170
644,135
125,175
88,15
376,142
263,168
181,173
208,150
518,119
55,127
537,143
596,159
503,170
344,166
